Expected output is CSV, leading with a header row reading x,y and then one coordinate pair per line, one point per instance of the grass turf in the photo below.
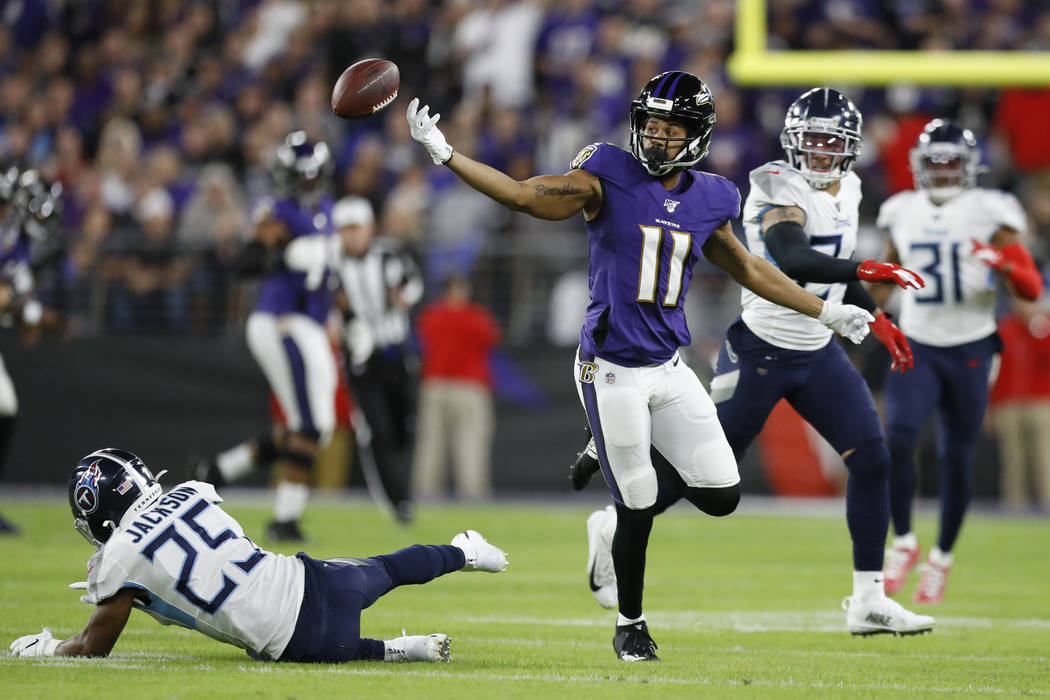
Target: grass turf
x,y
742,606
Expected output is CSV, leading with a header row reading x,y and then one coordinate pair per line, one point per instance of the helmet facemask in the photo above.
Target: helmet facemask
x,y
824,155
943,170
693,144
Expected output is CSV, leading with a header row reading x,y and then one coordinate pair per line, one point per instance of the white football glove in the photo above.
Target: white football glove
x,y
424,129
88,598
42,644
847,320
312,255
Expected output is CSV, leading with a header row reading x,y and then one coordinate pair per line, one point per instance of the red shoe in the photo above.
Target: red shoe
x,y
899,563
932,583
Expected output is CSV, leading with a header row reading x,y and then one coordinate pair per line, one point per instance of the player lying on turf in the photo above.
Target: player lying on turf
x,y
185,561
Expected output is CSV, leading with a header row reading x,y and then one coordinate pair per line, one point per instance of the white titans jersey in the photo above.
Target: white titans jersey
x,y
957,305
198,570
831,224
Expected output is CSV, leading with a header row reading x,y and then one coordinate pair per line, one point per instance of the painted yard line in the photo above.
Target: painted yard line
x,y
753,651
748,621
647,680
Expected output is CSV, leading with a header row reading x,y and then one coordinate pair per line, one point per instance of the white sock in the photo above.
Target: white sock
x,y
235,462
621,620
867,585
941,559
906,541
290,501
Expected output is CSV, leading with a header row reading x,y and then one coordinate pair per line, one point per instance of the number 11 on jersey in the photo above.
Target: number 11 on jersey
x,y
649,267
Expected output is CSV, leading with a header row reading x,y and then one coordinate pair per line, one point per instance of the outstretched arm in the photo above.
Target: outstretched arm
x,y
97,638
788,244
1007,256
550,197
757,274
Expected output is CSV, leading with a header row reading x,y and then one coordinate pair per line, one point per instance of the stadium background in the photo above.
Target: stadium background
x,y
159,118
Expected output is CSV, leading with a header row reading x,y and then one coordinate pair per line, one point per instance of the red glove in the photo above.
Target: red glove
x,y
1015,263
890,336
871,271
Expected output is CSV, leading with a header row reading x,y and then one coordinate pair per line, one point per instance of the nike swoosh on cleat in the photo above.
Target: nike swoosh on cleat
x,y
590,579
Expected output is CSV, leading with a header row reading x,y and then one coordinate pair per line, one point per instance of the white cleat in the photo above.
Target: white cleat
x,y
419,647
883,616
481,556
601,576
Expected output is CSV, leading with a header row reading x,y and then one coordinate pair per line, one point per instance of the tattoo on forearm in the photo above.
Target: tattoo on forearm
x,y
563,191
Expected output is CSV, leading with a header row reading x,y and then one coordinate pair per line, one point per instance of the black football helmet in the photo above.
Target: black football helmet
x,y
827,112
39,205
945,160
679,97
302,168
106,487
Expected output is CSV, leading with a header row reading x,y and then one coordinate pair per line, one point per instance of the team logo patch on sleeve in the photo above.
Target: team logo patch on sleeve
x,y
583,155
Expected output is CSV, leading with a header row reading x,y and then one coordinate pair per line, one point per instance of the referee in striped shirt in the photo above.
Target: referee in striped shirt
x,y
379,285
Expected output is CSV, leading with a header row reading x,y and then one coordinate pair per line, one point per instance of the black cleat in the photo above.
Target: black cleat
x,y
585,466
284,531
205,469
633,643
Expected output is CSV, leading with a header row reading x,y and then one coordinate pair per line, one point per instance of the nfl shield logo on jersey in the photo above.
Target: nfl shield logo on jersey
x,y
610,378
670,205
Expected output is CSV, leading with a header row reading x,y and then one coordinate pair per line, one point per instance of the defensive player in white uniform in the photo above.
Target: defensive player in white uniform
x,y
963,239
802,215
182,559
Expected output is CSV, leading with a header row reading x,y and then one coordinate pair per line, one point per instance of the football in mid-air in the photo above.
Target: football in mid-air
x,y
365,88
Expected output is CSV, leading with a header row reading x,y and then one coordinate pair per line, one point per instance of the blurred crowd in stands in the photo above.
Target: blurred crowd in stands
x,y
159,119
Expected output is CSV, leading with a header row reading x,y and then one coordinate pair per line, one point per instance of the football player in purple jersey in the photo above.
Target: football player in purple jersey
x,y
649,218
30,210
286,335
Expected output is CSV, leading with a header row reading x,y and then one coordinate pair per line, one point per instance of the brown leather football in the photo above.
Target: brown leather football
x,y
365,88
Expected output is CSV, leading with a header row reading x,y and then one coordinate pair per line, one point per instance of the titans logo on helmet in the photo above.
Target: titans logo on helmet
x,y
86,492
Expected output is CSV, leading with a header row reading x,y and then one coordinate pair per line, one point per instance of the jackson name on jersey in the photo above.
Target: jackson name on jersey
x,y
195,568
831,224
958,303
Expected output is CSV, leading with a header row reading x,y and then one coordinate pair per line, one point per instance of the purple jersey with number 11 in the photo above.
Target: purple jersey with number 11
x,y
644,243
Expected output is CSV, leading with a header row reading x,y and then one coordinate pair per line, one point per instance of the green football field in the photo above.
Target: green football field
x,y
742,606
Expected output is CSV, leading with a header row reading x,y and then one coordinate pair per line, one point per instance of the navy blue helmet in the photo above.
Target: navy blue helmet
x,y
945,160
673,96
821,136
302,168
107,486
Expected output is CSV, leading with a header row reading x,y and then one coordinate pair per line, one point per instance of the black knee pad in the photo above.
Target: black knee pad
x,y
869,459
714,501
298,459
266,450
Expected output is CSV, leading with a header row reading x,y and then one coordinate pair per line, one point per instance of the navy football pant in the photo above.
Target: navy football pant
x,y
953,382
328,628
828,392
